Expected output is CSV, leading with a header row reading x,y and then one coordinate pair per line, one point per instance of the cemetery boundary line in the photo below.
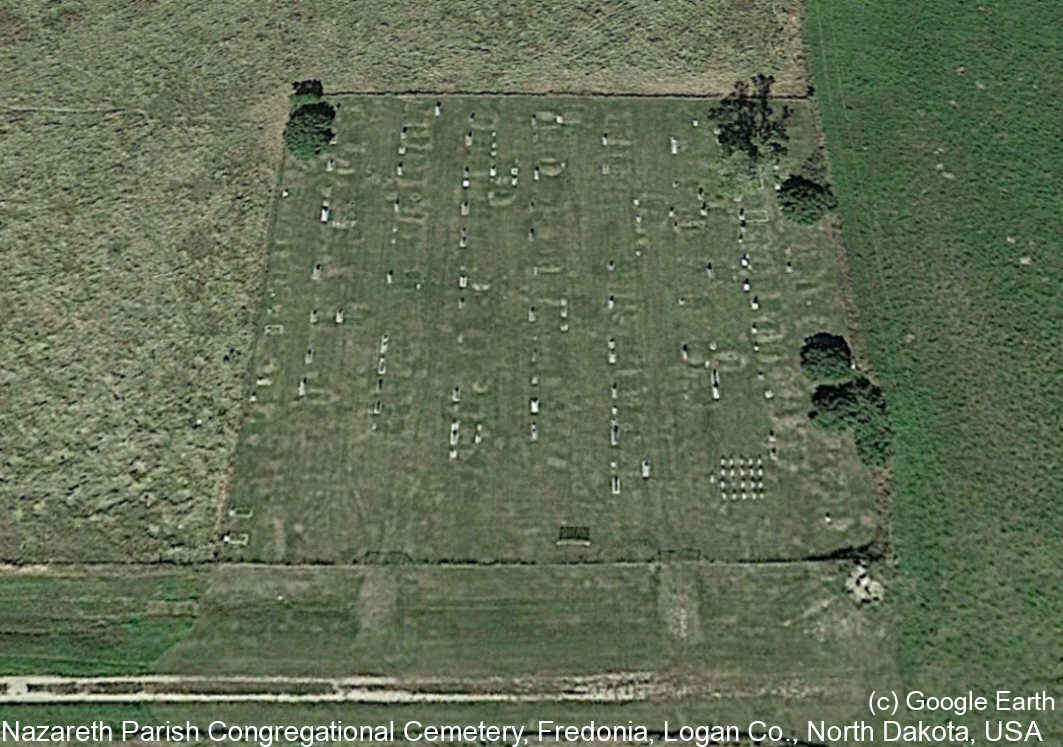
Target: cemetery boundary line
x,y
445,551
870,552
708,96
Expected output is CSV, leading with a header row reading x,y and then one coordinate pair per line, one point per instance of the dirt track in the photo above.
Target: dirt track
x,y
605,688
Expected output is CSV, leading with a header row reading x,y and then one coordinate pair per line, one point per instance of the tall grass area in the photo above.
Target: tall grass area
x,y
943,127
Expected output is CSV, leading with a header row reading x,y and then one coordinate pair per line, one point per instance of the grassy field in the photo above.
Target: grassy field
x,y
126,322
718,627
94,624
946,155
140,146
705,629
348,449
164,57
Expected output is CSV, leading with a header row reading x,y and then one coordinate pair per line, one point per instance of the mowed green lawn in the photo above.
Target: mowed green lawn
x,y
768,626
98,623
344,454
737,637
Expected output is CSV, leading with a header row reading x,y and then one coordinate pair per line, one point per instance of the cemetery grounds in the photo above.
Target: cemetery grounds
x,y
500,346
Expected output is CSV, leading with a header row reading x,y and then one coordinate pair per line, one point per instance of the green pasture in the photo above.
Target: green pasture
x,y
78,623
946,152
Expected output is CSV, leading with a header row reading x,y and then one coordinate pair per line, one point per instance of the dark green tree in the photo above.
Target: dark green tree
x,y
747,122
309,129
826,357
805,201
860,406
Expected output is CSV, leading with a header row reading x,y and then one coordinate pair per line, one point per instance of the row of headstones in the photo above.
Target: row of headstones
x,y
325,216
338,315
746,263
751,485
308,356
614,438
377,407
464,284
612,357
533,400
534,403
492,173
559,119
606,143
703,210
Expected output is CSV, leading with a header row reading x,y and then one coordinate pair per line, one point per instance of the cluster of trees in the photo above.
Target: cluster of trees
x,y
746,122
309,127
752,134
851,402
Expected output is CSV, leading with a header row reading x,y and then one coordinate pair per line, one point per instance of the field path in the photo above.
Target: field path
x,y
600,688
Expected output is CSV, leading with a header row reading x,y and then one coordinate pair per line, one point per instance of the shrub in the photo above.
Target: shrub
x,y
308,88
857,405
805,201
309,129
826,357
